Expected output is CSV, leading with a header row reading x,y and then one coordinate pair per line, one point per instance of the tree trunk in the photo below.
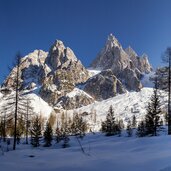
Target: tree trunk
x,y
169,97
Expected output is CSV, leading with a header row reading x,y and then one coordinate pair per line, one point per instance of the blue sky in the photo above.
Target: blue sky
x,y
83,25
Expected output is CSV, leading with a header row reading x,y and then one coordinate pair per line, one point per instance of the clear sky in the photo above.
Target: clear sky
x,y
83,25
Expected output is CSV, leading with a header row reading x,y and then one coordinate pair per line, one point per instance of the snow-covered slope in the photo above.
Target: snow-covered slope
x,y
102,153
125,106
39,106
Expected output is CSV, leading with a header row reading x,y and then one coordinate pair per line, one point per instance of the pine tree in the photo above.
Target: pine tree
x,y
141,131
134,122
48,135
129,128
58,133
36,132
109,125
152,119
79,126
167,58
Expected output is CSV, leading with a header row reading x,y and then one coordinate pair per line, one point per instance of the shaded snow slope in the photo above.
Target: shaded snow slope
x,y
102,153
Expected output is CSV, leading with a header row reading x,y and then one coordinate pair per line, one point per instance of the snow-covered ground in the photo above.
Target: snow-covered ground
x,y
38,104
124,105
102,153
93,72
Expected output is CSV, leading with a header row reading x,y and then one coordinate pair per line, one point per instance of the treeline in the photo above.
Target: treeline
x,y
44,132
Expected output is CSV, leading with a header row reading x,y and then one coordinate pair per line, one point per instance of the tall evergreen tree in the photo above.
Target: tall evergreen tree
x,y
134,122
36,132
109,125
48,135
129,128
78,126
153,112
141,130
167,58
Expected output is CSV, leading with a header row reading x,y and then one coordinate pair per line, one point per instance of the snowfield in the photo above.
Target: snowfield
x,y
102,153
124,105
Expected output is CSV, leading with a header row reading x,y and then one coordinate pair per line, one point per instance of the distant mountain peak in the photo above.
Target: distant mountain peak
x,y
59,55
130,51
112,42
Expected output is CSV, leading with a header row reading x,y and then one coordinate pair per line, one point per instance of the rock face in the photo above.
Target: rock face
x,y
126,65
32,70
104,85
66,72
75,99
56,75
141,63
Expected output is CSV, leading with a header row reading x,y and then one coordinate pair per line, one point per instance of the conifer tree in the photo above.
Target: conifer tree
x,y
134,122
141,131
109,125
36,132
58,133
167,59
48,135
79,126
152,119
129,128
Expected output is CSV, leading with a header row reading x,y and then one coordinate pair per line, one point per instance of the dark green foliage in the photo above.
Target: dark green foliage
x,y
58,135
152,119
134,122
109,126
129,128
141,130
66,139
78,126
36,132
48,135
3,130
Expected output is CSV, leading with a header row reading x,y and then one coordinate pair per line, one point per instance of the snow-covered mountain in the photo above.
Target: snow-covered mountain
x,y
58,81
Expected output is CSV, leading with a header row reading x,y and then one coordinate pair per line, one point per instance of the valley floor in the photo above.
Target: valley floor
x,y
102,153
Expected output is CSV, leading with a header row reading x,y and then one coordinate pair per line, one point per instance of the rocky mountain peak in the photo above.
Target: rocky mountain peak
x,y
37,57
112,42
60,56
130,51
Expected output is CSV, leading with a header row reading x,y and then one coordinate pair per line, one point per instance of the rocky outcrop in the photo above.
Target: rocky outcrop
x,y
104,85
141,63
32,71
75,99
126,65
66,72
112,56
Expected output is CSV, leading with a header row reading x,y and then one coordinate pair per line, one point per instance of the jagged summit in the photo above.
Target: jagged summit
x,y
125,64
130,51
60,56
112,42
57,73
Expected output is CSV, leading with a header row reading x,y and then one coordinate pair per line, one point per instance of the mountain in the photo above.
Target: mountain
x,y
66,71
58,81
126,65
